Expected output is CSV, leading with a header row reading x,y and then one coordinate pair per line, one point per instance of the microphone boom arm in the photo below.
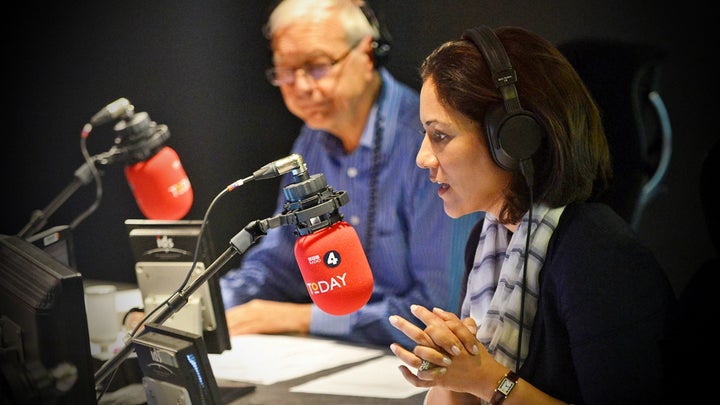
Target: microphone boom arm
x,y
312,205
81,177
124,151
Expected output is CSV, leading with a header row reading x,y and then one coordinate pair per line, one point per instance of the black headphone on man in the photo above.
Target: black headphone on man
x,y
514,134
381,46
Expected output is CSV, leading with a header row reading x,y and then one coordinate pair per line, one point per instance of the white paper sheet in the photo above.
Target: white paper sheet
x,y
379,378
267,359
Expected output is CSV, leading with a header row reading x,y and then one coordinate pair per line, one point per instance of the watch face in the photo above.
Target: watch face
x,y
505,386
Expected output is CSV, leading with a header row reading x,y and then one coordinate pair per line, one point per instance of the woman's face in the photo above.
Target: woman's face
x,y
455,152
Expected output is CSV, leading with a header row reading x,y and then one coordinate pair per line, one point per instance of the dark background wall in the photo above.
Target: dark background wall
x,y
197,67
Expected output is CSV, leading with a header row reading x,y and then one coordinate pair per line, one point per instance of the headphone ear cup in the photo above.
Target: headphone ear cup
x,y
381,52
512,137
381,45
493,121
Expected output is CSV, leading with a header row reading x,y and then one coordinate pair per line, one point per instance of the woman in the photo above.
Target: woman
x,y
594,301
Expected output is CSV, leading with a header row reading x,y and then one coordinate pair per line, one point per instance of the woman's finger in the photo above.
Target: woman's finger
x,y
406,356
470,324
464,330
432,356
410,330
437,329
414,379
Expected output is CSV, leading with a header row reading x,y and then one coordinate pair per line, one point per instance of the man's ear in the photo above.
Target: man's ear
x,y
365,45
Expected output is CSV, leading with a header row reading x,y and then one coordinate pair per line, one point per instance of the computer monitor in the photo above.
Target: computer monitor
x,y
163,251
175,366
44,344
58,243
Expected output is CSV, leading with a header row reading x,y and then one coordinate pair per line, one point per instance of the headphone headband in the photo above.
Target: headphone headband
x,y
503,74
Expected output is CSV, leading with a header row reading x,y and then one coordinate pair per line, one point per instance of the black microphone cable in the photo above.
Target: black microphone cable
x,y
528,171
184,283
96,176
292,163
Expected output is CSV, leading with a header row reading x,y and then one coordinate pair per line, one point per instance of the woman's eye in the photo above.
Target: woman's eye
x,y
434,135
438,136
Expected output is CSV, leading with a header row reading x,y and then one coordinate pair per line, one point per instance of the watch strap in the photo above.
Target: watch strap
x,y
506,384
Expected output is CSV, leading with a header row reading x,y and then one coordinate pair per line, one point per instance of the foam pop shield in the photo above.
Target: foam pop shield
x,y
161,186
335,269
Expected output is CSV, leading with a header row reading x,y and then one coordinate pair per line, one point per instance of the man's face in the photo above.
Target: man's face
x,y
323,77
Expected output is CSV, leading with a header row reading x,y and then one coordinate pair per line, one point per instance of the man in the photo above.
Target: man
x,y
362,131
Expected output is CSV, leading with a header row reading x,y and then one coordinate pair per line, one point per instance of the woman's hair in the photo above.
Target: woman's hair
x,y
573,161
353,20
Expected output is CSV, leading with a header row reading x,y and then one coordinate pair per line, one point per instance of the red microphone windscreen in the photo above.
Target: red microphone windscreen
x,y
335,269
160,185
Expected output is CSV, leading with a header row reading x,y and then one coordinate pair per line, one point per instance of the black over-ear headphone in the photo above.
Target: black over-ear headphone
x,y
381,46
514,134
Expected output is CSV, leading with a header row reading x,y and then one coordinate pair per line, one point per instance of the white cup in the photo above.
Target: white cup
x,y
103,326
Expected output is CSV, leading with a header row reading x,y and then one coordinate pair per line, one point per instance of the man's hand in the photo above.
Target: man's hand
x,y
262,316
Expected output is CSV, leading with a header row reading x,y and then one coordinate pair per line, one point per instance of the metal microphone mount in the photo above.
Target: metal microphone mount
x,y
313,204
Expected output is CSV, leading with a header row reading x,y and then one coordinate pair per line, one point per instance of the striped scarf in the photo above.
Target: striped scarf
x,y
494,287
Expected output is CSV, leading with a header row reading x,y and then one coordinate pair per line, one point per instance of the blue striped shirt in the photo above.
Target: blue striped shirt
x,y
410,252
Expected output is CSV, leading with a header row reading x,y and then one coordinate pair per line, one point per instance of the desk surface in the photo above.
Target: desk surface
x,y
126,389
279,393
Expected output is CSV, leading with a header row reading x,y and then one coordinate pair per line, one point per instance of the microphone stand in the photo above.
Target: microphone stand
x,y
307,214
239,244
39,218
127,148
82,177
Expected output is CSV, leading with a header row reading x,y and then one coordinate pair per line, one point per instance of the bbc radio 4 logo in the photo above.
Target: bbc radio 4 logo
x,y
331,259
163,242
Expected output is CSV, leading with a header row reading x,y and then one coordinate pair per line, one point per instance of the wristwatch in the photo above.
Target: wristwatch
x,y
505,385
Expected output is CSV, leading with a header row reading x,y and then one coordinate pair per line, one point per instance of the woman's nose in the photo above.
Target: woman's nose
x,y
425,157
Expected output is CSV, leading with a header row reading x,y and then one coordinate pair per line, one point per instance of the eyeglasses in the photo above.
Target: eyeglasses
x,y
279,76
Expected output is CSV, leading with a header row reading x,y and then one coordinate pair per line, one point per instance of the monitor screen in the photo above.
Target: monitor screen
x,y
44,343
163,251
58,243
175,366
